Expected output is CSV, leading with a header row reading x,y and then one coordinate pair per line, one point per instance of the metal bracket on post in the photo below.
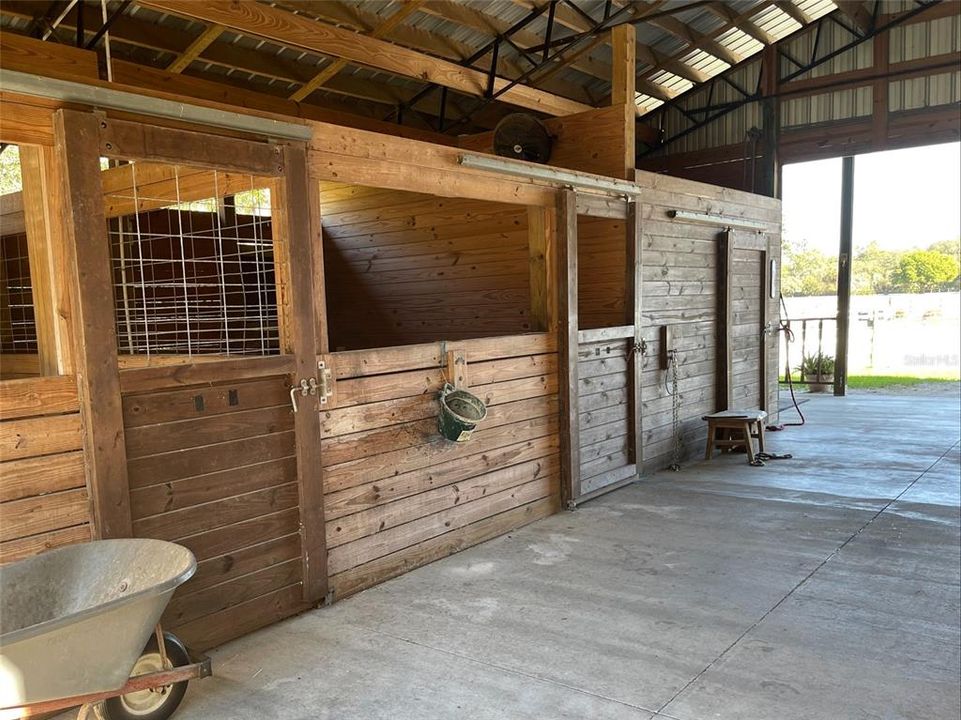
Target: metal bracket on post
x,y
326,384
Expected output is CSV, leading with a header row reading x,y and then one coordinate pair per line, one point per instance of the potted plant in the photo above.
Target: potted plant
x,y
817,371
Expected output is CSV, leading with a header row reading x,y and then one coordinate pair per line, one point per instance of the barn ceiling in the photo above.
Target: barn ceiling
x,y
427,63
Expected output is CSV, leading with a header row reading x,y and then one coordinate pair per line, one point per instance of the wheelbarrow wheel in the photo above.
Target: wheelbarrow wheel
x,y
155,704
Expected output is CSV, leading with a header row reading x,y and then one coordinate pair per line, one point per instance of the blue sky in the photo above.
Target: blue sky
x,y
902,198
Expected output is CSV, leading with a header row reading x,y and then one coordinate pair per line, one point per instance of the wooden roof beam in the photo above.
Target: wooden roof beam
x,y
729,15
291,30
195,48
788,7
462,14
405,11
696,39
855,11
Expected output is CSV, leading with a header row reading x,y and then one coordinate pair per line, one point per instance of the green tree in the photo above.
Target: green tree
x,y
807,271
922,271
873,270
10,170
951,248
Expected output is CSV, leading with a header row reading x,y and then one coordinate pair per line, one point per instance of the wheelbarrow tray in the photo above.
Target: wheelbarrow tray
x,y
74,621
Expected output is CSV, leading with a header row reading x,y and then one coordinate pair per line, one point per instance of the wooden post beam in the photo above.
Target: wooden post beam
x,y
98,377
296,31
724,358
41,200
624,90
567,346
624,68
845,256
541,244
634,316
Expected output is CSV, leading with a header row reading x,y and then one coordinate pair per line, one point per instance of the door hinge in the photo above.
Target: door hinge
x,y
326,382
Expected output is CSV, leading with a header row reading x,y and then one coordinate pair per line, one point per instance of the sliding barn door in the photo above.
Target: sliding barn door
x,y
603,363
746,290
201,311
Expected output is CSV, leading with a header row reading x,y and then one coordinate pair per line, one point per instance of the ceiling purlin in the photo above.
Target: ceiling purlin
x,y
729,14
646,55
707,40
168,42
354,17
479,21
339,64
296,31
199,44
794,11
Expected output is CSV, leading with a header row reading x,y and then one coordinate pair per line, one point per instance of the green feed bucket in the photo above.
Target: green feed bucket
x,y
459,413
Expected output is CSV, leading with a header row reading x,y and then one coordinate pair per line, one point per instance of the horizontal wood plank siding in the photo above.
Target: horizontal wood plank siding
x,y
679,289
404,267
44,502
212,467
397,494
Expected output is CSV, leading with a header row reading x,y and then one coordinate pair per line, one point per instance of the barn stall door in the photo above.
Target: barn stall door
x,y
603,360
211,314
748,289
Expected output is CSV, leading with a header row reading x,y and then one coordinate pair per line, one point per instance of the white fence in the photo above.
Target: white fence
x,y
918,335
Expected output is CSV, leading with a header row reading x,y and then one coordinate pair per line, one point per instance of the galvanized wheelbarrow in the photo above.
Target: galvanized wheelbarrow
x,y
80,626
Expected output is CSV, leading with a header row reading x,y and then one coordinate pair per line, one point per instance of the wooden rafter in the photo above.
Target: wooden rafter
x,y
132,31
702,42
285,28
405,11
794,11
857,13
432,43
728,14
696,39
463,14
195,48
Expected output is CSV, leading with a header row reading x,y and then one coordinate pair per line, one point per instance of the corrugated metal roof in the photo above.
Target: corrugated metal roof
x,y
282,69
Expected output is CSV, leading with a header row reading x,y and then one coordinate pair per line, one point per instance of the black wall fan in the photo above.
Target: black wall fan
x,y
523,137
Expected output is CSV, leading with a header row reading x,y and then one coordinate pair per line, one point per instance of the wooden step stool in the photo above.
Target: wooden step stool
x,y
750,423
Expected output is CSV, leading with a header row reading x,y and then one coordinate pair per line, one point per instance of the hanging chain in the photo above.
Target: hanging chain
x,y
676,415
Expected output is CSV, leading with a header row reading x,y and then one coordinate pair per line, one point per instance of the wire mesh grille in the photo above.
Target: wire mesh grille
x,y
194,269
18,329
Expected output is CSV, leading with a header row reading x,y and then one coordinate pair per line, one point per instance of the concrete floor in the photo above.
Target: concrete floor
x,y
822,587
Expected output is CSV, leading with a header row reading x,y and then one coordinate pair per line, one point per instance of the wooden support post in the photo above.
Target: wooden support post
x,y
95,353
321,333
292,224
634,285
724,393
769,182
764,309
845,256
623,88
567,346
41,209
541,239
879,113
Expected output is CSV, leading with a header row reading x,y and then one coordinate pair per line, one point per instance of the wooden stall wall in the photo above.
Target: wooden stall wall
x,y
43,494
213,467
403,267
397,495
680,290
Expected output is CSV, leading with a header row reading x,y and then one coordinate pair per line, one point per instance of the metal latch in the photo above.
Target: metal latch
x,y
326,384
307,386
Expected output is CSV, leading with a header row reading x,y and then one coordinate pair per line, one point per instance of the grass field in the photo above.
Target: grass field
x,y
873,382
877,382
